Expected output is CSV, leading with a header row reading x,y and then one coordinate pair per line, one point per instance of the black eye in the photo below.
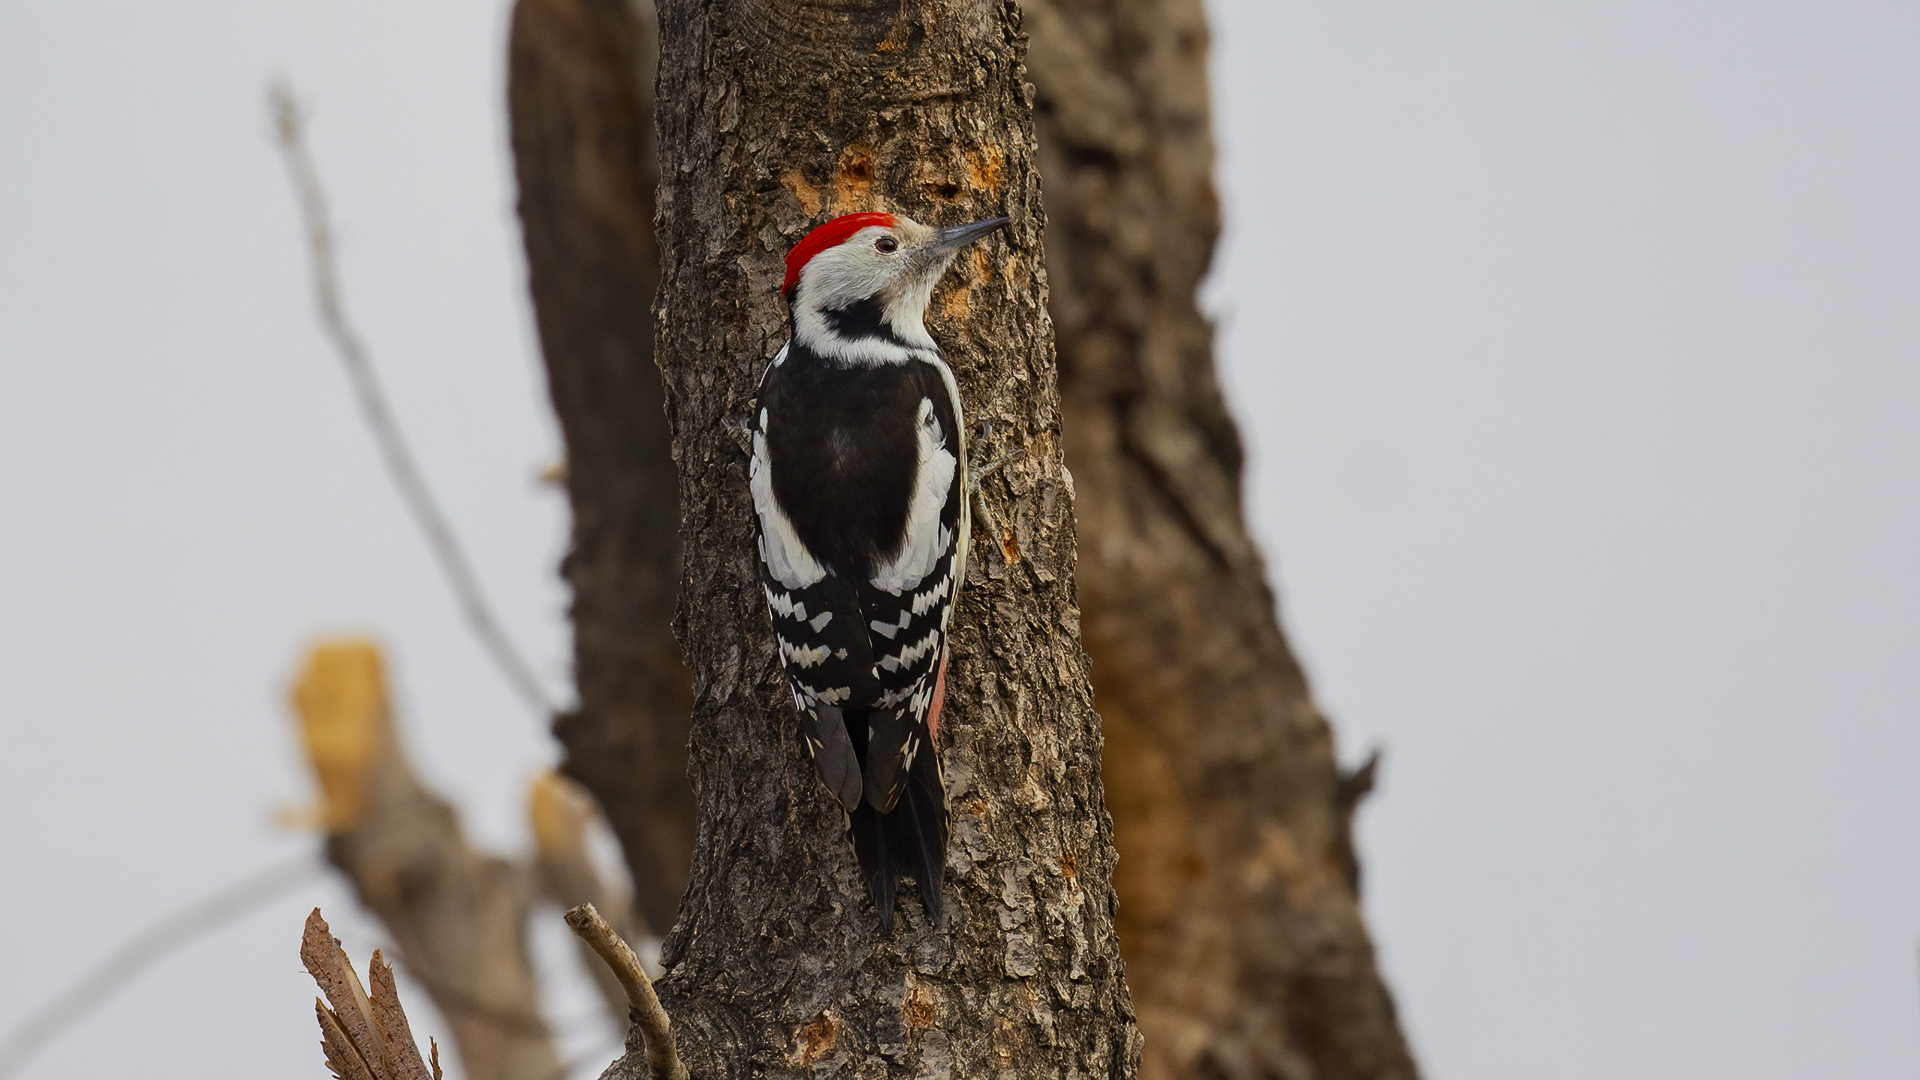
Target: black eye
x,y
887,245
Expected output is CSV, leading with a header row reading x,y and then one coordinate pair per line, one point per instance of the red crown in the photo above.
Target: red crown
x,y
832,234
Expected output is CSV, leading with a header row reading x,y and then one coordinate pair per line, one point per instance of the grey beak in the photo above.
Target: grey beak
x,y
960,236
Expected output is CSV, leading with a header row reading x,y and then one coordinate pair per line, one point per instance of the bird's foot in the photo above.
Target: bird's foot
x,y
976,474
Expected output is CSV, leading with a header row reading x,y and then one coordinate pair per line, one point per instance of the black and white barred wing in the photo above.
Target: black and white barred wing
x,y
816,623
908,603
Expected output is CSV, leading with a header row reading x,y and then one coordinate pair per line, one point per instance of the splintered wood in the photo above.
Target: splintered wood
x,y
365,1036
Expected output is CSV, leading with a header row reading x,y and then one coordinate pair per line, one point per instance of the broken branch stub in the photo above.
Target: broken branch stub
x,y
457,914
365,1037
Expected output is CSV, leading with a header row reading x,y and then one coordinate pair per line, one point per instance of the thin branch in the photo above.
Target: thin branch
x,y
145,949
562,813
289,125
644,1009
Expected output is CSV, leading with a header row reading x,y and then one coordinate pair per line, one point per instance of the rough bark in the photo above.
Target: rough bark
x,y
779,115
457,915
1239,918
580,97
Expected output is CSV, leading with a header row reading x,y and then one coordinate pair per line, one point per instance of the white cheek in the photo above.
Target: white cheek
x,y
845,275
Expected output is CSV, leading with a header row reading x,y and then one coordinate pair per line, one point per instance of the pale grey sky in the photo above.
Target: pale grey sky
x,y
1577,349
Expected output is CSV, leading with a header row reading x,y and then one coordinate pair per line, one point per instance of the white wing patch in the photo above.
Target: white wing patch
x,y
787,559
966,497
926,539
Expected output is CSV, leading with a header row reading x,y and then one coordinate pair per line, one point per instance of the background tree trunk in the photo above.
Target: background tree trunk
x,y
778,115
580,94
1239,918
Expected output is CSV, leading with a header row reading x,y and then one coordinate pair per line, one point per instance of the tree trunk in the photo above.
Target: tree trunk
x,y
1239,917
778,115
580,95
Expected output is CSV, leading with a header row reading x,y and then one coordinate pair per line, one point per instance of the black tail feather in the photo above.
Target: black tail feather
x,y
923,826
910,841
870,845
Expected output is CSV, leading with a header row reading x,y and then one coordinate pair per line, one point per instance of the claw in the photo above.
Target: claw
x,y
983,515
742,433
988,524
977,474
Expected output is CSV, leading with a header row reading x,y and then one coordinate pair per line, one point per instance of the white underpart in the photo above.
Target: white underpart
x,y
906,309
787,559
926,539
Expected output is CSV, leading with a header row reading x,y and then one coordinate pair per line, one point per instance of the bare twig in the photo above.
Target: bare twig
x,y
145,949
663,1060
289,125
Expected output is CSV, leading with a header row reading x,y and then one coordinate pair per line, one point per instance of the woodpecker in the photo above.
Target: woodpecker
x,y
859,480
